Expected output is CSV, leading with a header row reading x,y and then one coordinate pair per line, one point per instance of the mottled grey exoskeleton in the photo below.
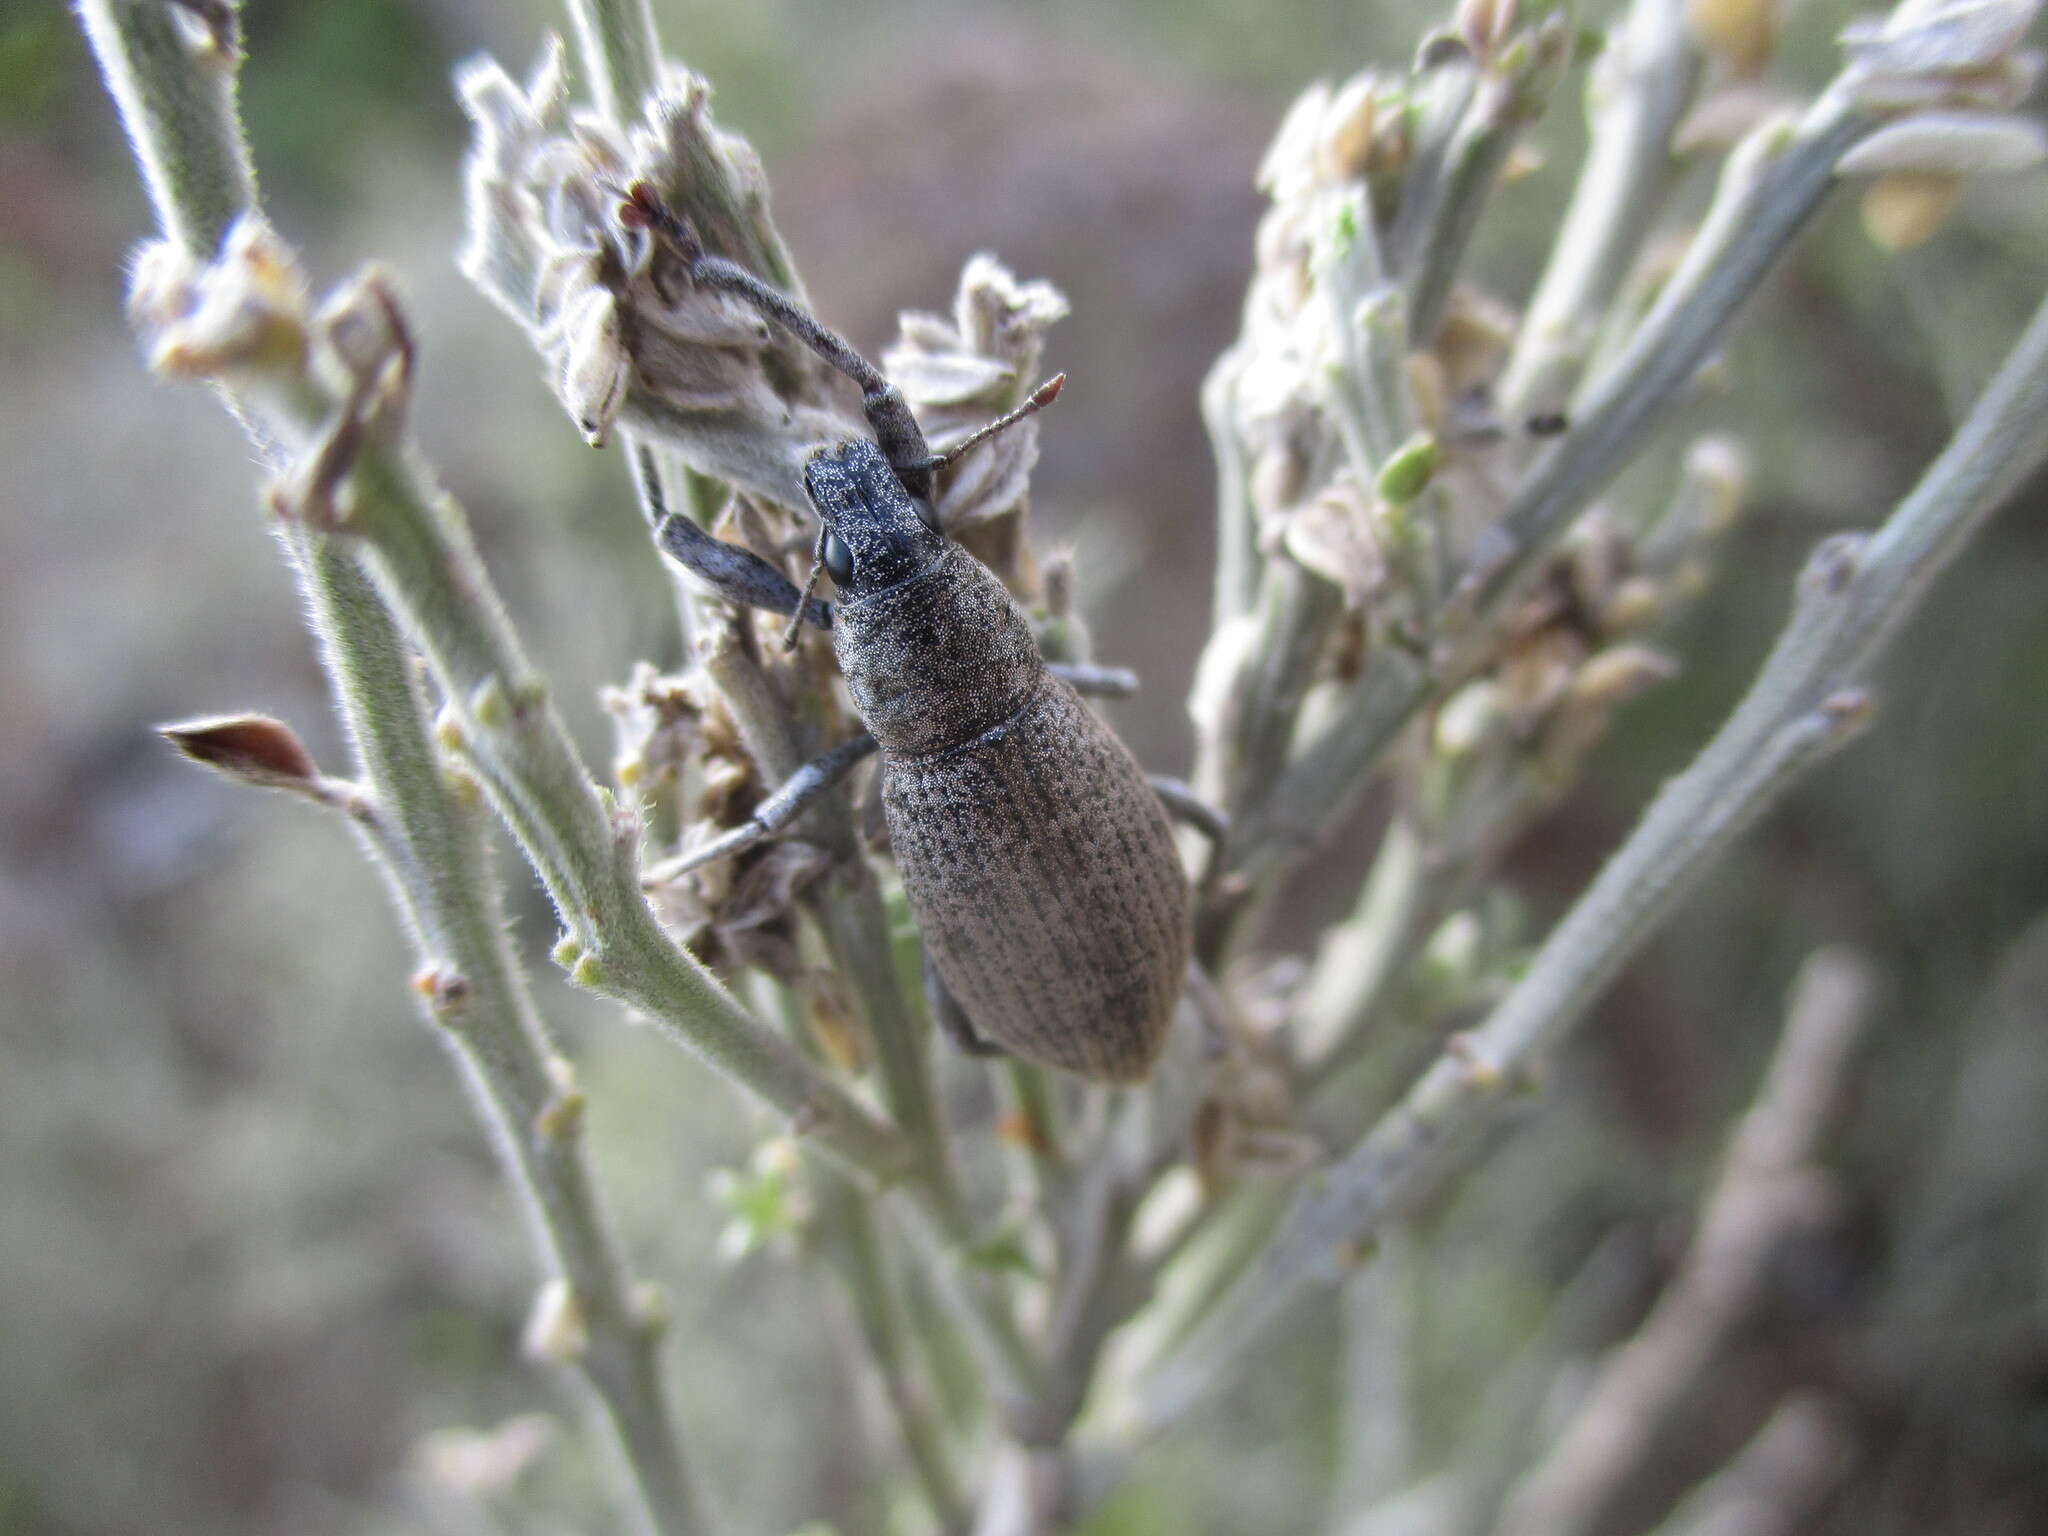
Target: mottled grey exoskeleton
x,y
1037,858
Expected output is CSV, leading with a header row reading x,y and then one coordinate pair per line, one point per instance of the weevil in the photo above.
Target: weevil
x,y
1037,857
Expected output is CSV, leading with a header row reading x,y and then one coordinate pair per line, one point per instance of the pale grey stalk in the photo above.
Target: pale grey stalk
x,y
1237,532
1767,195
1333,763
1773,184
621,54
178,105
1364,958
1779,1481
1015,1370
1767,1190
848,911
174,83
1440,101
858,1255
1637,91
1369,394
473,986
1805,703
1471,170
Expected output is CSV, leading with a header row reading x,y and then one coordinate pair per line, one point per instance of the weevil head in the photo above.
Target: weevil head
x,y
877,534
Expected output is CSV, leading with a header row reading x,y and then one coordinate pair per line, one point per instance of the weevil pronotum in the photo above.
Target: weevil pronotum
x,y
1036,855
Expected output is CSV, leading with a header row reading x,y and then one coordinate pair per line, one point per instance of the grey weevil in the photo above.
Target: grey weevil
x,y
1037,858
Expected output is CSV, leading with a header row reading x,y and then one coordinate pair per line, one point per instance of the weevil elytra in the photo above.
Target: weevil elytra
x,y
1037,858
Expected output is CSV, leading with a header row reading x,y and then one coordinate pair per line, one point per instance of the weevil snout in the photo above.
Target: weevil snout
x,y
877,534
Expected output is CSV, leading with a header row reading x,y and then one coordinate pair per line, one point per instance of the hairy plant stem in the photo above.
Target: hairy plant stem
x,y
177,101
848,910
1806,702
621,54
419,548
1639,89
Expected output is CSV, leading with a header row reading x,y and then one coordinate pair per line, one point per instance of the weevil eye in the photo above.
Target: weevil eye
x,y
927,514
838,559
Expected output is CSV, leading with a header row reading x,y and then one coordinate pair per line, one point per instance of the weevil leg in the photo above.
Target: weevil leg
x,y
739,575
889,416
1096,682
952,1018
791,798
1182,802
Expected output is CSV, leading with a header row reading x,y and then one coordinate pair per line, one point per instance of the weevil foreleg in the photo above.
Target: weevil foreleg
x,y
790,799
952,1018
889,416
1096,682
738,575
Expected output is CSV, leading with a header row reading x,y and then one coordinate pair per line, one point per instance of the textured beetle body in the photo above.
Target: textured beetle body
x,y
1037,859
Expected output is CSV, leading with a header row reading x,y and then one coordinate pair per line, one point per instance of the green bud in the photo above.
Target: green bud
x,y
1407,473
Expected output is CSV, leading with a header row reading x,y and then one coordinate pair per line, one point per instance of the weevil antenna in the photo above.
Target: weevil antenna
x,y
1041,397
803,601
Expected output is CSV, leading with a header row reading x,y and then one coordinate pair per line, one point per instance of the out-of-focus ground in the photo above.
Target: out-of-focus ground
x,y
252,1247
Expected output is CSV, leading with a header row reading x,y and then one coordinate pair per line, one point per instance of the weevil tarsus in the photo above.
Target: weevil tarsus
x,y
788,801
950,1017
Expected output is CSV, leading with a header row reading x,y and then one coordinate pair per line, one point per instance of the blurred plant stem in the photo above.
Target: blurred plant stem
x,y
1809,700
621,54
1769,1187
176,91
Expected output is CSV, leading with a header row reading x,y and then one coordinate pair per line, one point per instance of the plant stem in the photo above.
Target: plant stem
x,y
418,547
438,866
620,52
177,102
1639,88
858,1254
174,86
1773,184
1768,1188
1805,703
1771,188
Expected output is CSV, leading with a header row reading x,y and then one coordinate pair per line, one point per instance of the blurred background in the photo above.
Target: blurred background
x,y
253,1249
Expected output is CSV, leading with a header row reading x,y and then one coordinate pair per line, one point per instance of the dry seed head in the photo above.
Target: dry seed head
x,y
1740,33
1618,674
1634,604
254,749
1485,24
1473,338
834,1025
1719,467
1468,719
1348,128
1906,208
1959,143
246,314
1333,536
481,1463
556,1329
